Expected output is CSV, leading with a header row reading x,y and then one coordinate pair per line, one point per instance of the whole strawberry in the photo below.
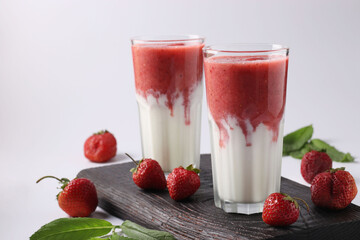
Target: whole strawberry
x,y
333,189
78,197
281,210
100,147
148,174
182,183
313,163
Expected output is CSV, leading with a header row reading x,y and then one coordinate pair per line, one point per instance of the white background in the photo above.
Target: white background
x,y
66,72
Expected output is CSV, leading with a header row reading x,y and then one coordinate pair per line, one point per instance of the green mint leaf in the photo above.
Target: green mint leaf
x,y
118,237
333,153
318,148
301,152
296,154
296,140
136,231
348,158
73,228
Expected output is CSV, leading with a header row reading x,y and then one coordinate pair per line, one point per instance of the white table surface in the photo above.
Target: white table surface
x,y
66,72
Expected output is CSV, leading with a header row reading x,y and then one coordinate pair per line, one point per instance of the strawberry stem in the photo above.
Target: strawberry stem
x,y
291,199
307,206
63,181
132,159
60,180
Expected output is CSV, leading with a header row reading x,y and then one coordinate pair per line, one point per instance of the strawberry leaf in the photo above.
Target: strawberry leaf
x,y
334,170
73,228
101,132
289,198
191,168
134,170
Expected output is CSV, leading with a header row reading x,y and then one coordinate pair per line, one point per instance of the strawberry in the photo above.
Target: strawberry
x,y
182,183
78,197
148,174
281,210
333,189
313,163
100,147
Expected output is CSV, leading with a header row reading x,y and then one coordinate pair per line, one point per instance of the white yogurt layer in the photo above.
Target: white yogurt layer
x,y
168,139
246,174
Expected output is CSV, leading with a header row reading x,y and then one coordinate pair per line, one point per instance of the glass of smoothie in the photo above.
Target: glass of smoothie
x,y
168,81
246,91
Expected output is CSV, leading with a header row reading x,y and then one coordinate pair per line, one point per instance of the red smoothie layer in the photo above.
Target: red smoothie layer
x,y
246,88
173,70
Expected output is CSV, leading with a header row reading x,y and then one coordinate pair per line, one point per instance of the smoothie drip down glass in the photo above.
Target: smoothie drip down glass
x,y
246,91
168,80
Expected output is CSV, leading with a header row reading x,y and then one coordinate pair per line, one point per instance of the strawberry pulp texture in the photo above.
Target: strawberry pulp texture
x,y
249,89
173,70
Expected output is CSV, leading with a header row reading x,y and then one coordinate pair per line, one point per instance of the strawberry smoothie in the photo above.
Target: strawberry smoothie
x,y
168,82
246,99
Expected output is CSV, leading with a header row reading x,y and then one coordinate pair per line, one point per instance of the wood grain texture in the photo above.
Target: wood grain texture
x,y
198,218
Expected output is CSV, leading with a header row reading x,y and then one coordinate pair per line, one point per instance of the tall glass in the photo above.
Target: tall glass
x,y
246,90
168,81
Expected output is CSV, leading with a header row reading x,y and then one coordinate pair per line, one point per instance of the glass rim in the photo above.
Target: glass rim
x,y
167,38
246,48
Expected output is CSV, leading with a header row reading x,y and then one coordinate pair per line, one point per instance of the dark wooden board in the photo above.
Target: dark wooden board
x,y
198,218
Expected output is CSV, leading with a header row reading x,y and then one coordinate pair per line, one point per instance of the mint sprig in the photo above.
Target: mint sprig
x,y
299,142
296,140
96,229
333,153
73,228
114,236
136,231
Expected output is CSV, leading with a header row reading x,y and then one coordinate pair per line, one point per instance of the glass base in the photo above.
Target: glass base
x,y
244,208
